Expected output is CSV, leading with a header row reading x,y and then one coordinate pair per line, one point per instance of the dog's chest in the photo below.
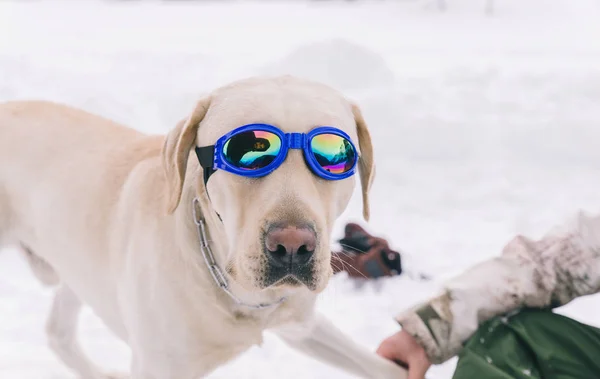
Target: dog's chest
x,y
244,317
251,319
250,325
240,330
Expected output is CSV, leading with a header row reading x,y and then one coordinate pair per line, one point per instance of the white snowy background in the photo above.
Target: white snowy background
x,y
484,125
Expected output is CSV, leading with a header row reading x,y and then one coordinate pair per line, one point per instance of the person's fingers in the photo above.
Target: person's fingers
x,y
403,349
392,349
386,349
417,368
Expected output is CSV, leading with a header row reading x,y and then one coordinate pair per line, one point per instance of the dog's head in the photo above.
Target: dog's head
x,y
277,226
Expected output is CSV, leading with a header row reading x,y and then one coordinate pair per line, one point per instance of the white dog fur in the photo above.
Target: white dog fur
x,y
104,212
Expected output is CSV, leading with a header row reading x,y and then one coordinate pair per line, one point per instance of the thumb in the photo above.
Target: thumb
x,y
417,368
403,350
389,350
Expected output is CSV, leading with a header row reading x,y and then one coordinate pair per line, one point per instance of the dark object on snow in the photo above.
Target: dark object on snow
x,y
365,256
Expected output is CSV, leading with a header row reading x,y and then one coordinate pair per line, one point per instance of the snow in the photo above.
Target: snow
x,y
485,126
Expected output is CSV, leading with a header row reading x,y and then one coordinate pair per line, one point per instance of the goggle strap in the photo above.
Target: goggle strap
x,y
206,157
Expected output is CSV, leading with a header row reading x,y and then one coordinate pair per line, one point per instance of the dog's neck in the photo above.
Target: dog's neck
x,y
203,227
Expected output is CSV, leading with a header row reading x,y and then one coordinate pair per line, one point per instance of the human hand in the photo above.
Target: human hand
x,y
403,348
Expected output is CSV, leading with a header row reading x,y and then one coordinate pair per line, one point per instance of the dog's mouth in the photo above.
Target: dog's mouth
x,y
290,276
289,251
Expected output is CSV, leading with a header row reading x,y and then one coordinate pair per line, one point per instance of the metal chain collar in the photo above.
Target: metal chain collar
x,y
213,267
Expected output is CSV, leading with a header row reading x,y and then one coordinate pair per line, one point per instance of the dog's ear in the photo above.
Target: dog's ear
x,y
366,163
176,151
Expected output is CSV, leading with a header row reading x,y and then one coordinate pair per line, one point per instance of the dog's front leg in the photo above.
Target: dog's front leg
x,y
322,340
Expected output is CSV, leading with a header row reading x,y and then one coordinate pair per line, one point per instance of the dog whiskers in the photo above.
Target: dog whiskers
x,y
352,248
346,264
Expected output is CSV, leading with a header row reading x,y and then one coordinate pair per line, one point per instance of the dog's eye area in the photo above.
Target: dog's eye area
x,y
252,149
333,153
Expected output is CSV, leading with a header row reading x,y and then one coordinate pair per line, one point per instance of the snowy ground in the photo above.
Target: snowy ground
x,y
485,126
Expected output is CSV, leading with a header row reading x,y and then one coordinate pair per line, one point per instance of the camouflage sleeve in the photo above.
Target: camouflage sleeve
x,y
542,274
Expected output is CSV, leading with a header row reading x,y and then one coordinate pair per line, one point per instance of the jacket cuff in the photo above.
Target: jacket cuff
x,y
431,326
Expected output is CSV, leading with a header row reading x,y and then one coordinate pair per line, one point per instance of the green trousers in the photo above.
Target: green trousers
x,y
532,344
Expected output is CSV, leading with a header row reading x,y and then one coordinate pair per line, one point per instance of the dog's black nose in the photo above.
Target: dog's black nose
x,y
290,245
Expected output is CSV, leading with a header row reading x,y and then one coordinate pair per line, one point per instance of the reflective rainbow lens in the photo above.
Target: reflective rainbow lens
x,y
252,150
333,153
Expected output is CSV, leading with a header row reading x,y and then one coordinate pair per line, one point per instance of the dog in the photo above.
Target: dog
x,y
187,264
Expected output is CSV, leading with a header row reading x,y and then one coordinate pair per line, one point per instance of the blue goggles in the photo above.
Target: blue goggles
x,y
256,150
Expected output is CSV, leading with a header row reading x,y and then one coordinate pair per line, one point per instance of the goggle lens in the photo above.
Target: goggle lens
x,y
252,150
333,153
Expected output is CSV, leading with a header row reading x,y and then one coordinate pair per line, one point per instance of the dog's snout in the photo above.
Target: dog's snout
x,y
290,245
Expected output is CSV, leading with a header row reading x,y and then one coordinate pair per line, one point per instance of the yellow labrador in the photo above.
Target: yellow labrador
x,y
188,275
